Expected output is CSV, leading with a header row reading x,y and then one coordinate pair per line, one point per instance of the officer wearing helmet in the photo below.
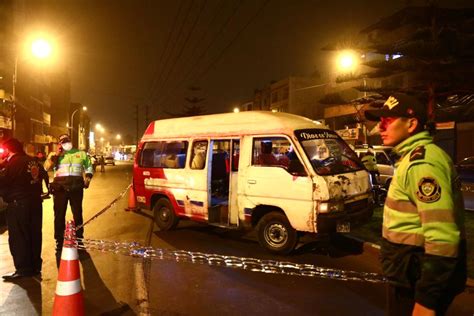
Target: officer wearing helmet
x,y
423,250
72,173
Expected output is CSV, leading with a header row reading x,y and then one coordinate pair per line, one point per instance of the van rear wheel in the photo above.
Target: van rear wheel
x,y
276,234
164,215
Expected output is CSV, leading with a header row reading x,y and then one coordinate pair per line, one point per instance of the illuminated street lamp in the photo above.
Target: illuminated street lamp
x,y
40,49
84,108
99,128
118,137
347,61
236,110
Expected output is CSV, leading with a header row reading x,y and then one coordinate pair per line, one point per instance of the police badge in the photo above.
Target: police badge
x,y
428,190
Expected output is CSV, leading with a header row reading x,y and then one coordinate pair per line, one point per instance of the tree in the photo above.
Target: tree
x,y
193,108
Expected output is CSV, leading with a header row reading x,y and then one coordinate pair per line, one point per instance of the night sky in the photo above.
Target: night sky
x,y
126,52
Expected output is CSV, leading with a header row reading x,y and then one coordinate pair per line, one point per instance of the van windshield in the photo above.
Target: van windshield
x,y
328,153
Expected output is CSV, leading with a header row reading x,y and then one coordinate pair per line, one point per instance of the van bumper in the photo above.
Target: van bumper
x,y
326,223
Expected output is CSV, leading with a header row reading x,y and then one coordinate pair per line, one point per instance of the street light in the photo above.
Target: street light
x,y
40,49
84,108
347,61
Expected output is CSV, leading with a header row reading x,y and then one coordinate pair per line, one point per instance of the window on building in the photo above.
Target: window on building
x,y
274,97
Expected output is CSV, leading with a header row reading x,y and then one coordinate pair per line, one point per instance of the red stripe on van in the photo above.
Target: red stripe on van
x,y
150,129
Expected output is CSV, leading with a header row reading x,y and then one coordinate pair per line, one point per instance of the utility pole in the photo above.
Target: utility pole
x,y
147,108
137,122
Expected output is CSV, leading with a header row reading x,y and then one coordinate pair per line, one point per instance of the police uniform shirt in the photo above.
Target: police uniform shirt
x,y
20,178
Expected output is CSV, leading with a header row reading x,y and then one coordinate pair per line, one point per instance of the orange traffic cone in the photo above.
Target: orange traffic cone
x,y
68,299
132,202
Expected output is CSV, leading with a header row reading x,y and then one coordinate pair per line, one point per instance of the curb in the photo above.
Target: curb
x,y
374,250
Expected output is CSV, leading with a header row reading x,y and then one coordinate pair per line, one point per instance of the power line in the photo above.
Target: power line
x,y
218,12
160,59
198,60
160,76
235,38
183,46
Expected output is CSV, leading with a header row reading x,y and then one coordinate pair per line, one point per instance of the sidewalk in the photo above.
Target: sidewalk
x,y
24,296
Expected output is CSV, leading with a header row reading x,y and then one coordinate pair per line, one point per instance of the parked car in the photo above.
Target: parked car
x,y
384,163
465,170
109,160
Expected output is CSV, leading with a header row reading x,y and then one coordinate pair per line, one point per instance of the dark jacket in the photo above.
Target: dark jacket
x,y
21,178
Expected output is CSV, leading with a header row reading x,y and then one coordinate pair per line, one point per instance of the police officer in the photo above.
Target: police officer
x,y
72,173
423,251
20,181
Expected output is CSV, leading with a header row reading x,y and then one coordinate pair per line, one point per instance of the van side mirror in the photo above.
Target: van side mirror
x,y
296,168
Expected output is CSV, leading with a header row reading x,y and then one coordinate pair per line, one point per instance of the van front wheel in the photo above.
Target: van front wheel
x,y
165,217
276,234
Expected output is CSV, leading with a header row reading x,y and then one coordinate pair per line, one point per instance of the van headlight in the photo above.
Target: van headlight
x,y
329,207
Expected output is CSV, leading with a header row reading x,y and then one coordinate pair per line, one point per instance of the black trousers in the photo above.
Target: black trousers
x,y
400,301
25,222
61,200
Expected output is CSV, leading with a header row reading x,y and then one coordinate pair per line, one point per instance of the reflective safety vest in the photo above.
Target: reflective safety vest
x,y
424,205
71,166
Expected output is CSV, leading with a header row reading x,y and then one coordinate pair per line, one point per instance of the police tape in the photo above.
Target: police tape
x,y
135,249
103,210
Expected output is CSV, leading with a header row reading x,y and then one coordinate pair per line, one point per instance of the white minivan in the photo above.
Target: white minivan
x,y
280,173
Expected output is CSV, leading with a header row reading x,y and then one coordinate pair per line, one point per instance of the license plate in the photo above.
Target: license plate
x,y
343,227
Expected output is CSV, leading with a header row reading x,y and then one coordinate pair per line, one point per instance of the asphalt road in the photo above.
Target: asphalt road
x,y
115,284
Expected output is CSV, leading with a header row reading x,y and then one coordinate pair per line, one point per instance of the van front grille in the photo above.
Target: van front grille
x,y
356,206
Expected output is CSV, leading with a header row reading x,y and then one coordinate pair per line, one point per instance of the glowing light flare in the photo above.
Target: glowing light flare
x,y
347,61
41,48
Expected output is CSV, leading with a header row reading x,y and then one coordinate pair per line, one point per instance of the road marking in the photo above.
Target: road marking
x,y
142,293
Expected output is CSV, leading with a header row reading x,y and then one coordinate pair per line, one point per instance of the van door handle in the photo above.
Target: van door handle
x,y
251,181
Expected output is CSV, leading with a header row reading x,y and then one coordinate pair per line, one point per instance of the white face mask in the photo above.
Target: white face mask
x,y
67,146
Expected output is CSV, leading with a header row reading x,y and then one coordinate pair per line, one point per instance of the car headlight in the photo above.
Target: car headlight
x,y
329,207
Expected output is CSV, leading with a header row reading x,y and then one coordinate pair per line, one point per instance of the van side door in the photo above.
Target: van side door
x,y
197,190
275,176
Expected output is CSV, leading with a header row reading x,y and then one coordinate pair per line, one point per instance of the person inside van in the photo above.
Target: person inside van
x,y
199,159
171,158
266,157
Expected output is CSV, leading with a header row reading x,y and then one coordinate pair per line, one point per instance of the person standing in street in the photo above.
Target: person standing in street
x,y
20,182
72,173
102,163
423,252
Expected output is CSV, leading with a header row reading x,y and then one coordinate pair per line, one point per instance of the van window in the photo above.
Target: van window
x,y
271,151
150,155
163,154
235,154
328,153
198,154
174,155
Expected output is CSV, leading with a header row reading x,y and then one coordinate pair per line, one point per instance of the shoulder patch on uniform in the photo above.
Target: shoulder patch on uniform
x,y
428,190
418,153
